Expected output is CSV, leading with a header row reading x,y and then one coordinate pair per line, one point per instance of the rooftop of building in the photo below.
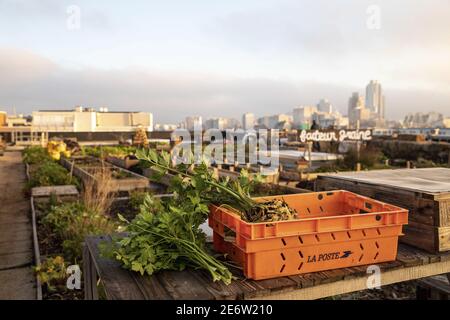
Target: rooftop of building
x,y
73,110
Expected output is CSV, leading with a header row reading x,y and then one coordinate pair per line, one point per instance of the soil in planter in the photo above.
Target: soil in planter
x,y
89,162
64,294
116,173
124,208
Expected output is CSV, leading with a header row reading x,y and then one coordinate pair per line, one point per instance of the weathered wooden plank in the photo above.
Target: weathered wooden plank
x,y
151,287
428,180
190,284
183,286
444,213
12,289
356,272
12,233
443,239
125,163
302,280
68,190
118,282
87,274
20,246
277,283
330,276
133,182
219,290
409,257
436,284
16,259
347,285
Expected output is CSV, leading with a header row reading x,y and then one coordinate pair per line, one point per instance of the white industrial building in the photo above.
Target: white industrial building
x,y
88,120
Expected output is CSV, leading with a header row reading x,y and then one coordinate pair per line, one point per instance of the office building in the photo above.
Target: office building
x,y
248,121
375,99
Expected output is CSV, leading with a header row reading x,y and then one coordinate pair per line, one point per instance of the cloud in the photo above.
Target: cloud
x,y
330,39
31,82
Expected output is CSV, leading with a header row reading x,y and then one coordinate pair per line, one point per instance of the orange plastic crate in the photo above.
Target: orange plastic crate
x,y
335,230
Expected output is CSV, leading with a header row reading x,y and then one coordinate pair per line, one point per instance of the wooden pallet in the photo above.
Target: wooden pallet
x,y
424,192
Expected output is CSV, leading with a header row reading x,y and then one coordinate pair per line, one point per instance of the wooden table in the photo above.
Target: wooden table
x,y
120,284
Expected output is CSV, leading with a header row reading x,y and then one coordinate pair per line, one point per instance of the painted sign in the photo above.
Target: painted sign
x,y
342,135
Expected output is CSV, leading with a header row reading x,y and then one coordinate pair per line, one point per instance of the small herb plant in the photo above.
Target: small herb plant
x,y
72,222
52,274
44,171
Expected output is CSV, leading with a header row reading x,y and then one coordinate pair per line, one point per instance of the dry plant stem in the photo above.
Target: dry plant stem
x,y
97,195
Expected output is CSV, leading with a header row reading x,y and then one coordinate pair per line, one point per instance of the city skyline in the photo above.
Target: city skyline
x,y
214,60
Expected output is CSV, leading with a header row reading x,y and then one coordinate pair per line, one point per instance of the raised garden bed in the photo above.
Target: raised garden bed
x,y
234,173
165,180
122,180
46,244
125,163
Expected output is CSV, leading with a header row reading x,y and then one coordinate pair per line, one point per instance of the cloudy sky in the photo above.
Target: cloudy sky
x,y
222,58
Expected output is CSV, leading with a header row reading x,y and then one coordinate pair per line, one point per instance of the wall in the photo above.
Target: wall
x,y
84,122
3,117
53,121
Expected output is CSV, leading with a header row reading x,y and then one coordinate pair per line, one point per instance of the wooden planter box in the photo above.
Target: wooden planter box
x,y
133,182
424,192
235,175
63,193
165,180
125,163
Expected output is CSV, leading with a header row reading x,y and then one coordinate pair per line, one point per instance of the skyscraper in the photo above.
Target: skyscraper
x,y
357,112
375,98
325,106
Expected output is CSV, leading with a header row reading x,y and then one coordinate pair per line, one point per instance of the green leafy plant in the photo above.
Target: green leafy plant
x,y
50,173
52,273
72,222
35,155
232,194
105,151
44,171
137,199
165,236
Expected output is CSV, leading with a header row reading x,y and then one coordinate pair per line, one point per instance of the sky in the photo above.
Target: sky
x,y
213,58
